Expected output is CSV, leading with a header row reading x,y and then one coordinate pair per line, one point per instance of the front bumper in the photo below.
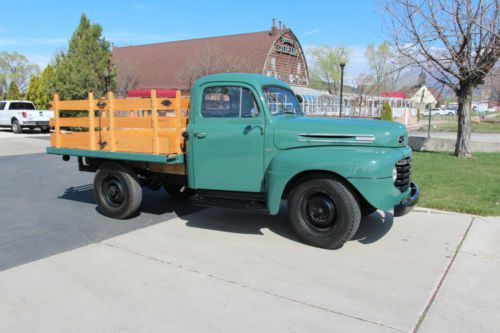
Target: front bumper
x,y
406,205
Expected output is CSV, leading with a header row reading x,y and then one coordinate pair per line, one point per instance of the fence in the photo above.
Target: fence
x,y
140,125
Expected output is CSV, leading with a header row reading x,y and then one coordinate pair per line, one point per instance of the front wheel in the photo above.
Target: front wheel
x,y
16,128
324,213
117,191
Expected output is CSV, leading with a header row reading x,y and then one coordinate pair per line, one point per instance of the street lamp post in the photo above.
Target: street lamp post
x,y
342,65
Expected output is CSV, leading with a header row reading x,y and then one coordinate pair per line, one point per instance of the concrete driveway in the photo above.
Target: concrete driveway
x,y
217,270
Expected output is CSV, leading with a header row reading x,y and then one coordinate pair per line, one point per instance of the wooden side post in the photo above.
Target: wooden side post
x,y
154,115
178,118
111,121
92,122
57,125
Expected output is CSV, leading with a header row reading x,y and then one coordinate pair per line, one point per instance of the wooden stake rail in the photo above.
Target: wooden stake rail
x,y
136,125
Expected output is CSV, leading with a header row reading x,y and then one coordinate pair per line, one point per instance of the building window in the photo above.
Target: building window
x,y
273,63
298,68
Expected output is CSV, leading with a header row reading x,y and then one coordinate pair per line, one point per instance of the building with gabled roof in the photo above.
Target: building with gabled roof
x,y
276,52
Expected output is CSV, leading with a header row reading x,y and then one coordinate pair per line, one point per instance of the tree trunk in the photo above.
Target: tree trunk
x,y
462,146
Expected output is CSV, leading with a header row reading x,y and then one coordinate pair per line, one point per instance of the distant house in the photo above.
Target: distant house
x,y
422,96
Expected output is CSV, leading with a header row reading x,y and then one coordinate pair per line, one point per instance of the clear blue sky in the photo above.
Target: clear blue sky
x,y
40,28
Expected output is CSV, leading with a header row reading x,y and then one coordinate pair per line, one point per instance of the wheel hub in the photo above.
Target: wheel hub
x,y
321,211
112,189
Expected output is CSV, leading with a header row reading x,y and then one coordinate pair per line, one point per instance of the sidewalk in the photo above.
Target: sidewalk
x,y
445,141
224,271
475,137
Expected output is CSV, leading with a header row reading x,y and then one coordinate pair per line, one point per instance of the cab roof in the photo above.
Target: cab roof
x,y
255,80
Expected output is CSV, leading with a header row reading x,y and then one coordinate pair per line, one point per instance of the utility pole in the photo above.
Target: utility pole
x,y
342,65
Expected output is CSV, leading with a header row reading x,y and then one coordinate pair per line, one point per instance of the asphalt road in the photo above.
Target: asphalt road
x,y
47,206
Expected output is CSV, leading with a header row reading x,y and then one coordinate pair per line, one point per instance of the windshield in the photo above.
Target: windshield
x,y
281,101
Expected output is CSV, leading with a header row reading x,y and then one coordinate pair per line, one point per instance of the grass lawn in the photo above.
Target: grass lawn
x,y
458,184
451,126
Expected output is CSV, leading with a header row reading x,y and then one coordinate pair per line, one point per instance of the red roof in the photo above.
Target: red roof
x,y
394,94
146,93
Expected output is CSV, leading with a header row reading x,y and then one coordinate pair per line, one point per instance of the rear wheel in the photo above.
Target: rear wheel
x,y
16,128
117,190
45,129
178,191
324,213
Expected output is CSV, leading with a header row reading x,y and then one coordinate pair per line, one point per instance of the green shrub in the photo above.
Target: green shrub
x,y
386,112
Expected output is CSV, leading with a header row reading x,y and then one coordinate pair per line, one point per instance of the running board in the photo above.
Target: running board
x,y
251,202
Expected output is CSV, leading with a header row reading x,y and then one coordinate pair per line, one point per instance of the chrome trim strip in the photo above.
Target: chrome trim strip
x,y
336,141
358,137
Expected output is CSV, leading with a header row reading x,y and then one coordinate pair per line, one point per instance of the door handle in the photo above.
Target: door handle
x,y
250,128
200,135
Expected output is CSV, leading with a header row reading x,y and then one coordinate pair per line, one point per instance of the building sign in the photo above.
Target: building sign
x,y
287,45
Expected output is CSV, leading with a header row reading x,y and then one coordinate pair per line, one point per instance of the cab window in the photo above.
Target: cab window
x,y
228,102
21,106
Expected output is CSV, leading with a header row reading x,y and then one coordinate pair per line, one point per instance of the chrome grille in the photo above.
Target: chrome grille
x,y
403,168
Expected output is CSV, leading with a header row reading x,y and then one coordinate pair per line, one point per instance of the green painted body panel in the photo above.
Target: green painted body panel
x,y
365,163
230,155
173,159
363,152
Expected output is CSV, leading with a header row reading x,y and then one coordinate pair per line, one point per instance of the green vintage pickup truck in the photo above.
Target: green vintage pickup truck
x,y
248,146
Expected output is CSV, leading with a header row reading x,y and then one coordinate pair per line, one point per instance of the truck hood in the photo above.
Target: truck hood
x,y
292,132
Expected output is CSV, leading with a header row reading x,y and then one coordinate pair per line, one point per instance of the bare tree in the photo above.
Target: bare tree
x,y
212,60
364,84
456,42
127,79
15,67
385,65
325,69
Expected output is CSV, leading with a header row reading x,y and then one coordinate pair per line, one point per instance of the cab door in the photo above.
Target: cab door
x,y
228,140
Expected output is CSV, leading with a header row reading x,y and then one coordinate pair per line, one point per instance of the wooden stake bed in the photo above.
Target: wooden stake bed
x,y
136,129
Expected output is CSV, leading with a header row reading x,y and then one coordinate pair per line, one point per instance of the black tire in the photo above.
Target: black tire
x,y
45,129
324,213
367,209
16,128
117,191
178,192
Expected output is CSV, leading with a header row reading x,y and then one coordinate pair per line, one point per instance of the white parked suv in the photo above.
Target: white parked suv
x,y
23,114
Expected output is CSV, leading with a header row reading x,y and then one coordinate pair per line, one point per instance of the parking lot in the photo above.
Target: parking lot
x,y
64,267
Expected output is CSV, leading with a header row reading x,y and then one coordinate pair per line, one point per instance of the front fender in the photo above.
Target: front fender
x,y
347,162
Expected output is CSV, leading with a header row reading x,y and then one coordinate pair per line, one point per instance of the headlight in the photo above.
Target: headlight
x,y
394,174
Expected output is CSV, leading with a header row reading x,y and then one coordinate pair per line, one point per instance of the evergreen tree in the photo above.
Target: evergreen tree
x,y
13,91
45,89
30,94
386,112
86,65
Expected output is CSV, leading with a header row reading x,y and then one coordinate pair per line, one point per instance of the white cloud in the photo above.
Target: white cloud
x,y
141,6
39,59
33,41
124,38
317,30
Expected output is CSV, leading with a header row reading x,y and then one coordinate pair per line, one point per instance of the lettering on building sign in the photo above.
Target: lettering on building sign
x,y
287,45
